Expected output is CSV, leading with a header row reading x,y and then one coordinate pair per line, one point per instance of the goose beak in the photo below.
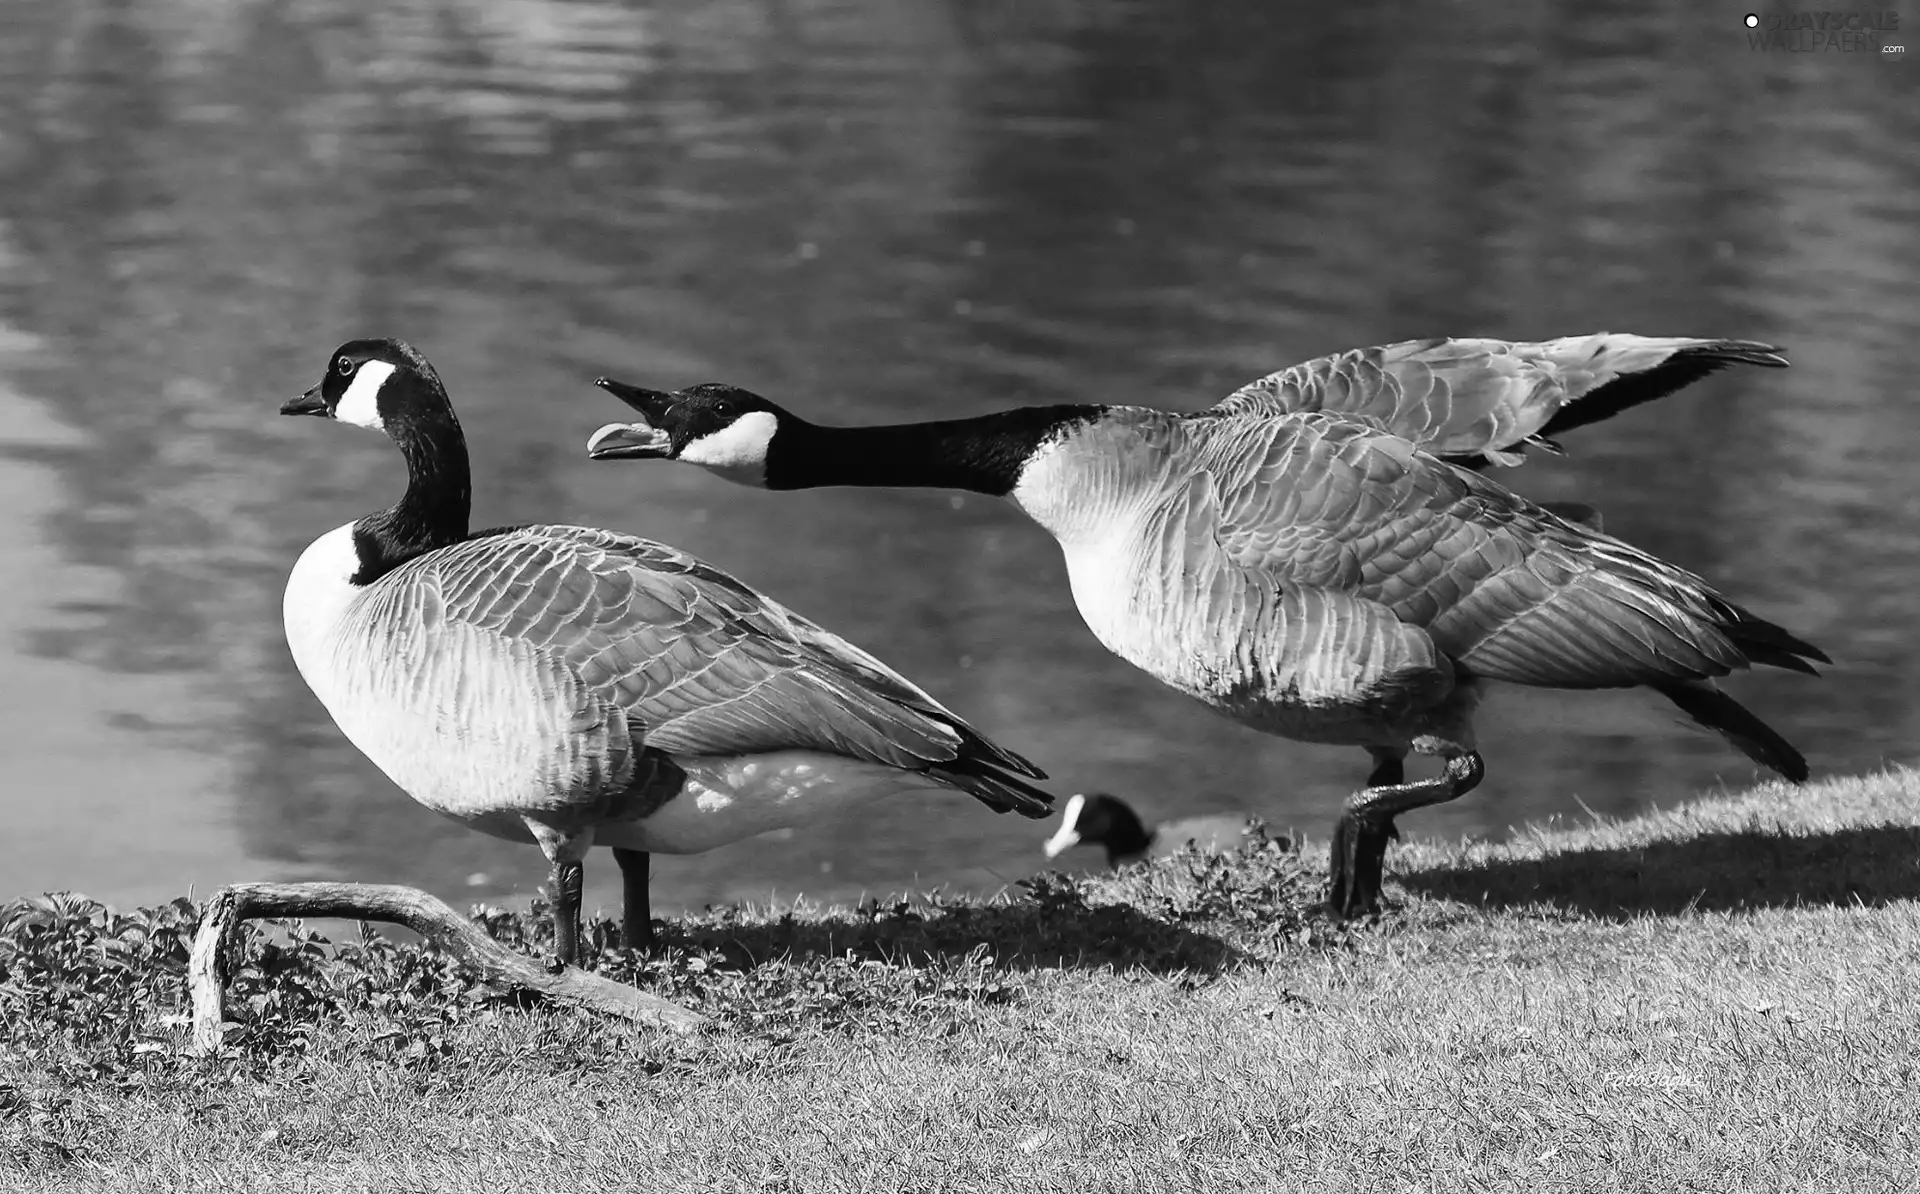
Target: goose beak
x,y
651,403
629,441
309,403
1061,842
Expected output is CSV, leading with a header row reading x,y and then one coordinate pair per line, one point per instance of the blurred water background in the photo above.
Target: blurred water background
x,y
876,210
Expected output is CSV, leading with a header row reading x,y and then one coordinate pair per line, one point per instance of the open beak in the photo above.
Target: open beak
x,y
309,403
653,404
629,441
633,441
1061,842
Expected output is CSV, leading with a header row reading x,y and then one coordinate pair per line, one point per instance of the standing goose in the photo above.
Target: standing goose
x,y
1304,572
572,686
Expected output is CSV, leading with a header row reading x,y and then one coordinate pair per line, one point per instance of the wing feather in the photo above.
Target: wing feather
x,y
1505,588
697,662
1491,399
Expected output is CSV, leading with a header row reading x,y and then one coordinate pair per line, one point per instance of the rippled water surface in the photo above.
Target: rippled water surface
x,y
888,210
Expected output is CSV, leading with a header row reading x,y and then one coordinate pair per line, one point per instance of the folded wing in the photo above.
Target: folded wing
x,y
1506,589
700,664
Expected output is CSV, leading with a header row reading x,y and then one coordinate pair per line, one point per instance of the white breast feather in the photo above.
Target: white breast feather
x,y
1095,512
1147,576
318,592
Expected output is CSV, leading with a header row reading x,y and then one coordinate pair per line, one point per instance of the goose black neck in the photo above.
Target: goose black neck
x,y
982,455
435,509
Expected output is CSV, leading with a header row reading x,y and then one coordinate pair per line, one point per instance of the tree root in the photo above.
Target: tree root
x,y
425,915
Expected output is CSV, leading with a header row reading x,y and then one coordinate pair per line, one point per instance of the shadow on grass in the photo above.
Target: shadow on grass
x,y
1713,871
1025,935
1197,913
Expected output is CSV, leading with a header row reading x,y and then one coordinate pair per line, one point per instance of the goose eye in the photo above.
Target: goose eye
x,y
343,366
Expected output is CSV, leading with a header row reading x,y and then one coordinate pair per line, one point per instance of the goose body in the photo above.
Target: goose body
x,y
488,722
1294,558
1329,582
573,686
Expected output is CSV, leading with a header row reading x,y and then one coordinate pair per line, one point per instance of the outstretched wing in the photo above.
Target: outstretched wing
x,y
698,662
1503,587
1490,399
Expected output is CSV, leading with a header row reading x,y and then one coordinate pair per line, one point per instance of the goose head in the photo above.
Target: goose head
x,y
1098,819
382,384
388,386
724,429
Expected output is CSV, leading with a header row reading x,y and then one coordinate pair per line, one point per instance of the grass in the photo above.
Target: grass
x,y
1720,997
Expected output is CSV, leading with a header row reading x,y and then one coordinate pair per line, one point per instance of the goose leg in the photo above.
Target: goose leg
x,y
1360,838
1390,767
636,925
564,853
563,885
1389,771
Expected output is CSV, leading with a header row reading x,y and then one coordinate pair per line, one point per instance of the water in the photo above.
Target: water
x,y
888,210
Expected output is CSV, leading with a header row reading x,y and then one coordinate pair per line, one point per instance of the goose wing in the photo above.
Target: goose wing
x,y
1504,588
698,662
1490,399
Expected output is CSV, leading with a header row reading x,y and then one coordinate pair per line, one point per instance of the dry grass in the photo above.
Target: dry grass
x,y
1722,997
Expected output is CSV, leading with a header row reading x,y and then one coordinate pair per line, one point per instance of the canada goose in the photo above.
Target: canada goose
x,y
1303,572
572,686
1097,819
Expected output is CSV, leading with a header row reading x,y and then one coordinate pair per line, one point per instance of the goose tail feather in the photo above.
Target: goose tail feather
x,y
1763,642
1727,717
994,788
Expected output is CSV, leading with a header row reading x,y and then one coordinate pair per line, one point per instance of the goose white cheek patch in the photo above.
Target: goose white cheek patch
x,y
1069,834
737,451
360,405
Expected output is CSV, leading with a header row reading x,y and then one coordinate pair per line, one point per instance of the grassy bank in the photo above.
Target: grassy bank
x,y
1722,997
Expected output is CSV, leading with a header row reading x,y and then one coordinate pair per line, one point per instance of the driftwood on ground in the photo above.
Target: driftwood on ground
x,y
425,915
